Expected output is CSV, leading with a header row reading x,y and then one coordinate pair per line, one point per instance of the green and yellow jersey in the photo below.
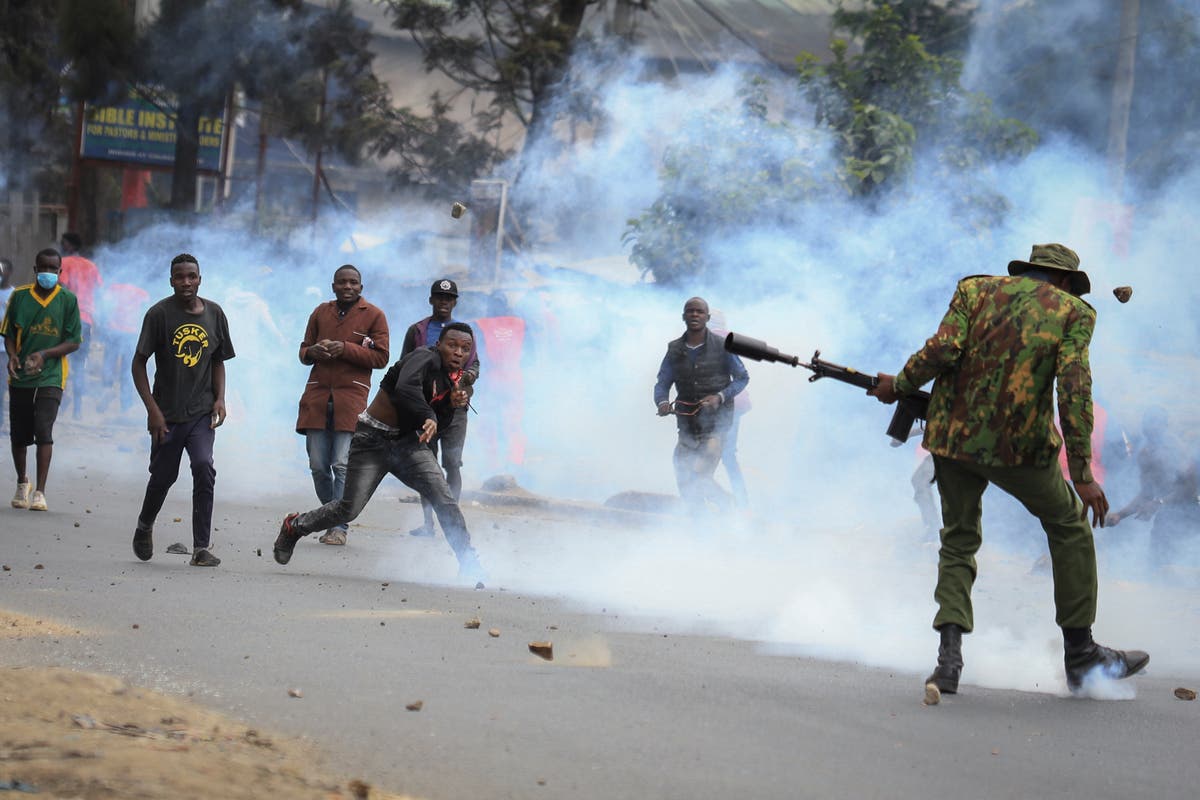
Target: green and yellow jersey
x,y
35,323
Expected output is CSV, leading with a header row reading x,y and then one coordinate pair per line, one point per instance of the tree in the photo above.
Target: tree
x,y
887,108
732,168
35,131
325,92
198,78
311,67
895,98
185,60
98,42
435,150
943,27
514,52
1062,82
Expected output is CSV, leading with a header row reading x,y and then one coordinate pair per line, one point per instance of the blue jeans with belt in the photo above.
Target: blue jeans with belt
x,y
373,454
328,453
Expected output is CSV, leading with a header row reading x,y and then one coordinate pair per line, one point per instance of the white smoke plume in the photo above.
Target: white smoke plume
x,y
831,561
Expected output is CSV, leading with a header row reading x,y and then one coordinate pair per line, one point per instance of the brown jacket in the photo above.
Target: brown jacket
x,y
347,380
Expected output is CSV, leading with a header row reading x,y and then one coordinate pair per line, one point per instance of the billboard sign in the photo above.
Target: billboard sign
x,y
140,132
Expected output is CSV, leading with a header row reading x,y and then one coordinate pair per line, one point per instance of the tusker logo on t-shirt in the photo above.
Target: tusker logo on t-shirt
x,y
46,327
189,341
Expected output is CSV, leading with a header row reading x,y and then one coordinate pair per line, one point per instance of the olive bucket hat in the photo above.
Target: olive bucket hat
x,y
1054,257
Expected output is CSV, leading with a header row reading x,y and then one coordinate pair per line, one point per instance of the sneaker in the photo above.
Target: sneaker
x,y
201,557
37,501
21,498
285,542
143,542
1112,664
333,536
424,531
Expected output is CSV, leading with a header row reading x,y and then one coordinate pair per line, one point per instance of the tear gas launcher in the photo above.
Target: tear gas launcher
x,y
909,408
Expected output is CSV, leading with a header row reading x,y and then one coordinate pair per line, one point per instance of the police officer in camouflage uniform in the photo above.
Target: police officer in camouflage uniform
x,y
995,360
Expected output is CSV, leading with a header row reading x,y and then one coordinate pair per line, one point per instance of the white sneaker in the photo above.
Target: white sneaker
x,y
37,501
21,498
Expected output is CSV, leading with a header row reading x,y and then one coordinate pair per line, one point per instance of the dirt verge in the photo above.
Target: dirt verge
x,y
80,735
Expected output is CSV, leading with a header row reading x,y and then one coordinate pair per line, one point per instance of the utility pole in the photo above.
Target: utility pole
x,y
316,187
1122,97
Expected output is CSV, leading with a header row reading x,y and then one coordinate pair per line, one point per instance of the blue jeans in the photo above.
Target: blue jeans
x,y
375,453
328,452
451,441
196,437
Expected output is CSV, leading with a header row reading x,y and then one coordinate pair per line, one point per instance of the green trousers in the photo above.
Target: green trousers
x,y
1046,495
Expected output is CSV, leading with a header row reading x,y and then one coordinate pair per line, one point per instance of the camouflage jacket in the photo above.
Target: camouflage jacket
x,y
995,359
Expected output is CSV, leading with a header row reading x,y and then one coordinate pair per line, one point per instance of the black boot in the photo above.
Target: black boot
x,y
1082,654
944,679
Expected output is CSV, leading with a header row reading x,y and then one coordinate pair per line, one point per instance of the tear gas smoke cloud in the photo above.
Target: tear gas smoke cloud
x,y
868,288
833,561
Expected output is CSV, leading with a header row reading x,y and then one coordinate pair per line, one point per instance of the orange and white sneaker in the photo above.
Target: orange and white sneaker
x,y
37,501
21,498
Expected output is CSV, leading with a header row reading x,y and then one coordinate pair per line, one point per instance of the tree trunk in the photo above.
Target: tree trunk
x,y
187,150
570,15
316,186
1122,97
624,13
570,18
260,169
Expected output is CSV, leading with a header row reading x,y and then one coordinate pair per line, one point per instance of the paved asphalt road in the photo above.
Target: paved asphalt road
x,y
627,709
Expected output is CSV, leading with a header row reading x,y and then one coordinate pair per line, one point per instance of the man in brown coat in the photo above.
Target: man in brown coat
x,y
346,338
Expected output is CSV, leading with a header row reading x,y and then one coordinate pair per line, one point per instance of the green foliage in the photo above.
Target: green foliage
x,y
888,100
894,98
309,65
33,127
514,53
434,149
727,170
100,40
325,92
943,27
877,144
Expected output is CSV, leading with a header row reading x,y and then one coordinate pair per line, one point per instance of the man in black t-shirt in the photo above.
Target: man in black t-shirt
x,y
188,336
416,398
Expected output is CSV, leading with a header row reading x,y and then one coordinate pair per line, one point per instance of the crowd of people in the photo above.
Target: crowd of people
x,y
421,408
1003,351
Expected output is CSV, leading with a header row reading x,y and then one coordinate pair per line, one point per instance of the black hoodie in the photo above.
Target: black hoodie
x,y
419,387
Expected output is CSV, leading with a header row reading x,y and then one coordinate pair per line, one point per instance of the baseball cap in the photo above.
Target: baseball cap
x,y
444,286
